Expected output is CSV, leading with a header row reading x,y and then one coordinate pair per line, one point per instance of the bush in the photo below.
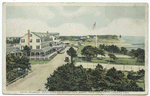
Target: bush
x,y
68,78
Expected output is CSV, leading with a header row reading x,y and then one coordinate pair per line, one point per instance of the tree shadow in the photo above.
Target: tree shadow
x,y
100,58
85,59
110,61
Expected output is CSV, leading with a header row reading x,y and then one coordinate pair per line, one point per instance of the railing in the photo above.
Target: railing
x,y
18,78
45,56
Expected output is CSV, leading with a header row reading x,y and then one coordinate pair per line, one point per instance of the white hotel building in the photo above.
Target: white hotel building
x,y
42,45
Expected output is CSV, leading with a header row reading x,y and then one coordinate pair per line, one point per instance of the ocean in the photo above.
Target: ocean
x,y
136,41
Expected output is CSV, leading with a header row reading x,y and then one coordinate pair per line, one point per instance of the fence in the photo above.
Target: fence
x,y
108,66
18,78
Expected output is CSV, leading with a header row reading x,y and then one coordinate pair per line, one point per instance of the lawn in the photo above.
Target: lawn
x,y
122,61
41,61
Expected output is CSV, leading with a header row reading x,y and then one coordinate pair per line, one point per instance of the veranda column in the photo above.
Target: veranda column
x,y
34,55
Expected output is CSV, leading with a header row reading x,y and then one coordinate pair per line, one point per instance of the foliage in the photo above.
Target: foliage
x,y
71,52
124,50
71,78
96,51
26,50
10,63
68,78
139,53
110,48
135,76
112,56
13,41
88,52
13,63
101,52
111,36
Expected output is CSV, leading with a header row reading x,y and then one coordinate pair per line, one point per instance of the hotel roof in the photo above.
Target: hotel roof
x,y
42,35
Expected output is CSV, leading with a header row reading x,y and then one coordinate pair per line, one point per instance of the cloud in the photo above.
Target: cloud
x,y
97,13
126,27
19,27
30,12
80,11
43,12
122,26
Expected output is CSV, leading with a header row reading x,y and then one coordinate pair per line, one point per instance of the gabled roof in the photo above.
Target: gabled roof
x,y
42,35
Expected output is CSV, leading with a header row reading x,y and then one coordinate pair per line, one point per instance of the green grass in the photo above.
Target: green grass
x,y
41,61
122,61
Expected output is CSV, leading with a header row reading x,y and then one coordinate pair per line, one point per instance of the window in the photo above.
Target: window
x,y
30,35
37,40
30,40
37,47
30,47
22,40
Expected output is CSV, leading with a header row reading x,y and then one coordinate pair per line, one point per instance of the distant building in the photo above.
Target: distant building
x,y
80,43
87,36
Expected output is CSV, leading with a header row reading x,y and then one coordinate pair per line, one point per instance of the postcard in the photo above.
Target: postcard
x,y
75,48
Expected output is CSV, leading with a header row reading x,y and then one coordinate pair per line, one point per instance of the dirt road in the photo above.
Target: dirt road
x,y
37,79
119,56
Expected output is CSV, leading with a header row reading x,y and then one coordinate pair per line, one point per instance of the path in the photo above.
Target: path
x,y
119,56
37,79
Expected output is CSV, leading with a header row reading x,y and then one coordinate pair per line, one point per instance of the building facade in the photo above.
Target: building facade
x,y
42,45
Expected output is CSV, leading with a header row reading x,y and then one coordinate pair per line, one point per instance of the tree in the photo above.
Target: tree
x,y
112,56
24,63
132,53
10,63
101,52
71,52
101,46
98,77
27,50
124,50
88,51
99,67
99,36
96,51
68,78
141,57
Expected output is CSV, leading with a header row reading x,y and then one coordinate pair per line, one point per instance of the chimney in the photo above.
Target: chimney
x,y
28,38
47,32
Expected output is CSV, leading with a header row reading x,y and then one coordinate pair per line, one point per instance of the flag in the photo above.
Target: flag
x,y
94,25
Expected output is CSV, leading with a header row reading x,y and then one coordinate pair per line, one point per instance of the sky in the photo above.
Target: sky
x,y
76,20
